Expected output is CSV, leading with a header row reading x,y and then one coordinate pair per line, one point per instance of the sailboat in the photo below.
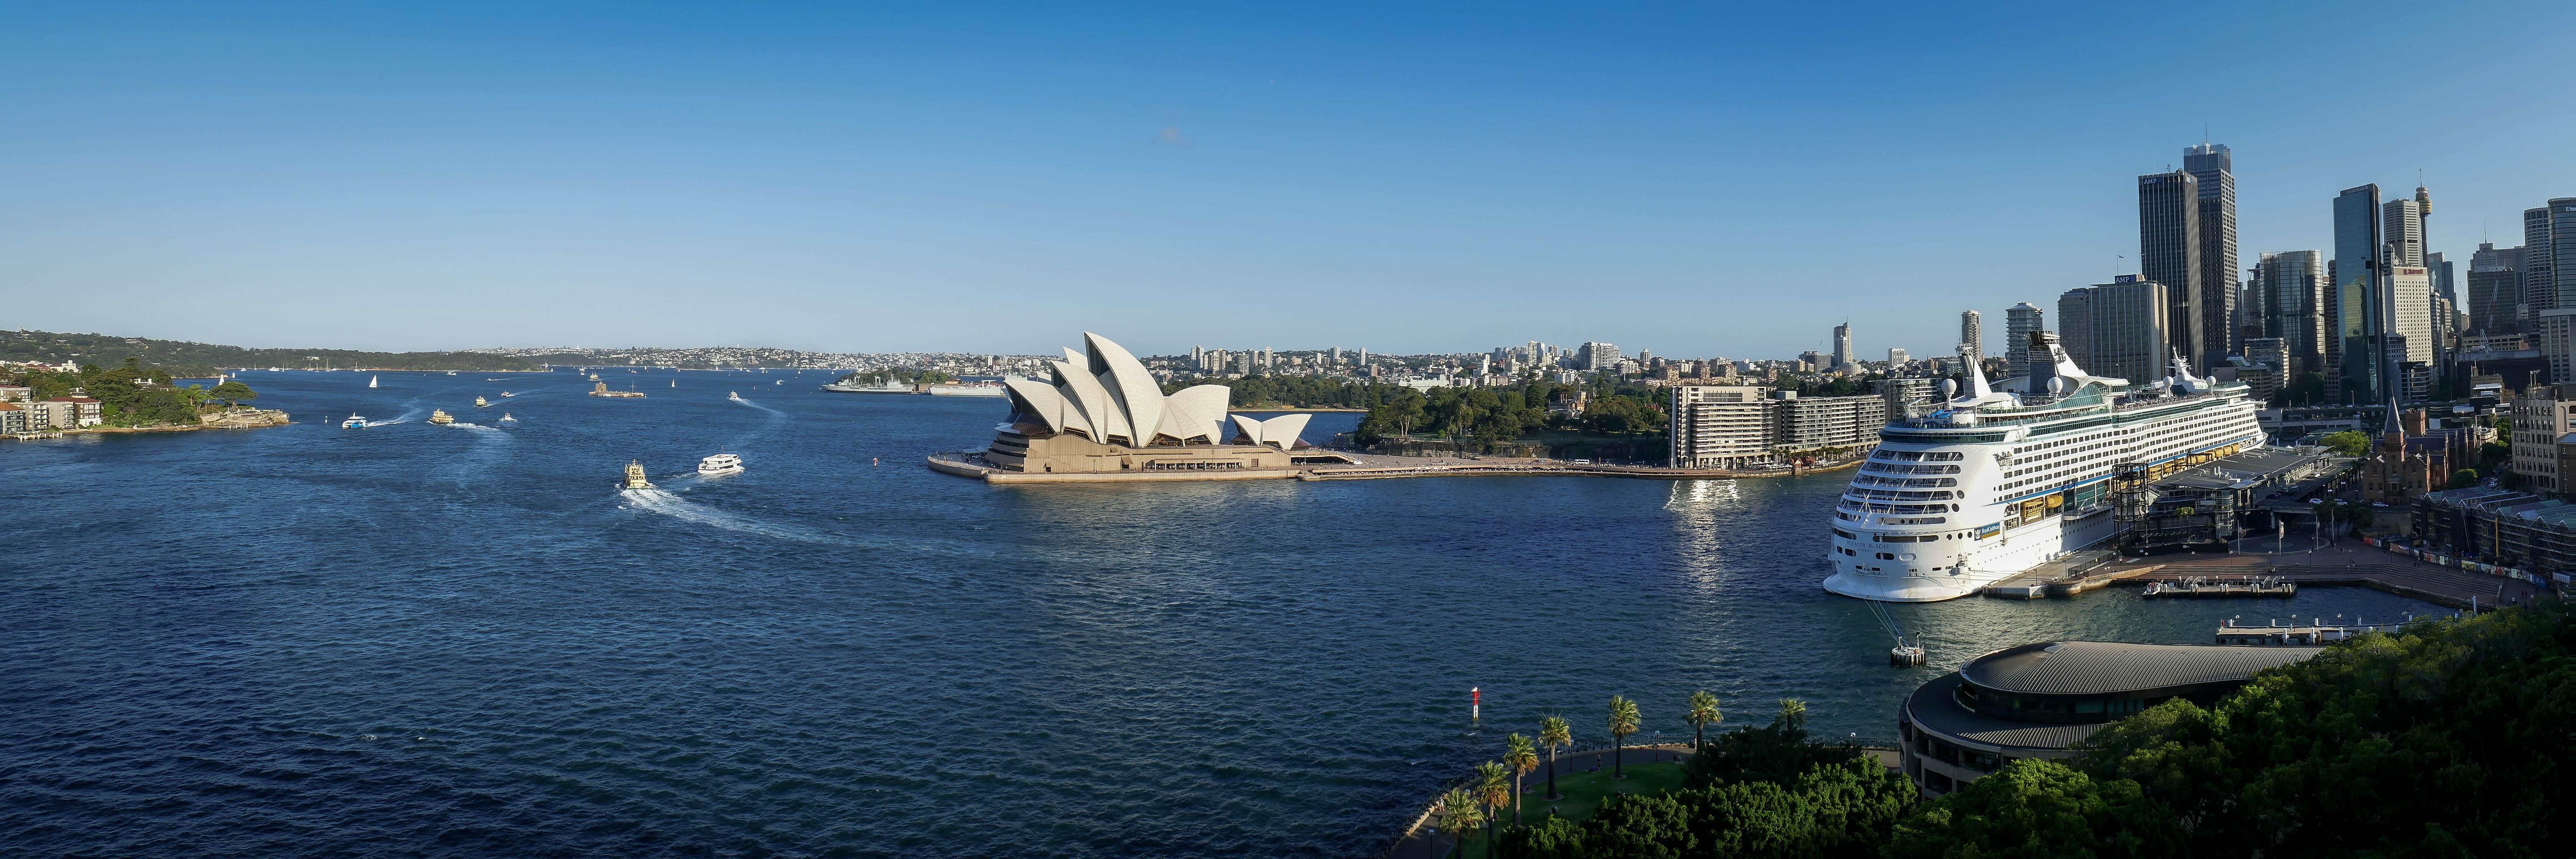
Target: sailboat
x,y
675,383
371,381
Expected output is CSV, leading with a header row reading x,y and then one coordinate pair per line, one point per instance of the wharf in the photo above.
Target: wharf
x,y
2315,633
2343,564
2224,586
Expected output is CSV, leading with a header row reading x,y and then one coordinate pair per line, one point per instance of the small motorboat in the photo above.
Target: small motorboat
x,y
508,394
354,422
635,476
731,395
507,419
441,417
722,463
451,372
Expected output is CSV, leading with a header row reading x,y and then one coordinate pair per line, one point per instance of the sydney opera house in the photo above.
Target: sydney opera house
x,y
1099,412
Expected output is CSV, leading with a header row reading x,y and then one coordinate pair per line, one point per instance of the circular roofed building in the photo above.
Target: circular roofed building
x,y
2041,700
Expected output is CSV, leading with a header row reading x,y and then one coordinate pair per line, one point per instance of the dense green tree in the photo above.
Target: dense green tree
x,y
1775,753
2347,443
2036,809
2464,478
1838,811
232,393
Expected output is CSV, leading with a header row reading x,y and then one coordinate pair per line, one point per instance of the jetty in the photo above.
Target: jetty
x,y
2315,633
2347,563
2223,586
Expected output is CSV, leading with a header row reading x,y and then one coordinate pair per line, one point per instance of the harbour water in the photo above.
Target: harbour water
x,y
408,639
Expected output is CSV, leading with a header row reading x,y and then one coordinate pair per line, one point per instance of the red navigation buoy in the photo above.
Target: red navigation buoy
x,y
1475,702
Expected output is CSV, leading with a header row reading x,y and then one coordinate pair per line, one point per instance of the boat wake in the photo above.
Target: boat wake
x,y
671,504
776,419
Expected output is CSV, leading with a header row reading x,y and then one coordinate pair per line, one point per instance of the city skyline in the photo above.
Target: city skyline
x,y
380,180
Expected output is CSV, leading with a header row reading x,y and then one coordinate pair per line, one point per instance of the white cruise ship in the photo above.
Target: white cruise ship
x,y
1995,481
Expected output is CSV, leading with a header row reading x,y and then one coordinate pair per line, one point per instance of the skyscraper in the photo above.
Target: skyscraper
x,y
1842,345
2357,318
2292,284
2021,321
2121,326
2213,172
2562,249
2402,225
2495,290
2169,253
2539,283
1972,334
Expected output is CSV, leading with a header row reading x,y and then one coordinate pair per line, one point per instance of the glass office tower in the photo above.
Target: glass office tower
x,y
2359,321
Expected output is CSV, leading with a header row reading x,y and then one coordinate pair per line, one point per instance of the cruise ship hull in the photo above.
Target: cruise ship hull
x,y
2023,550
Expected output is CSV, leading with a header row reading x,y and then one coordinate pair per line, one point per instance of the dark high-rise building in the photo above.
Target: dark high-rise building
x,y
2356,323
2169,253
2495,290
2562,249
2214,230
2539,284
2292,286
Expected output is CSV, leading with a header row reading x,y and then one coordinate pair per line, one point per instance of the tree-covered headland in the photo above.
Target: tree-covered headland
x,y
133,395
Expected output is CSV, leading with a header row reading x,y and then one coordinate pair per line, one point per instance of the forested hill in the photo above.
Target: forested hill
x,y
198,359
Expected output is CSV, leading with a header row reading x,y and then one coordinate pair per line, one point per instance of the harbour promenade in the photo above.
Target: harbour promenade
x,y
1328,464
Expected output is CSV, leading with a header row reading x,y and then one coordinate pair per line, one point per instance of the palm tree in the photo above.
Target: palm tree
x,y
1459,816
1703,712
1518,755
1494,789
1793,713
1623,721
1554,733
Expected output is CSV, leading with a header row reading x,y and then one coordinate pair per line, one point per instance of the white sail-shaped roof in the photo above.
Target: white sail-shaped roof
x,y
1101,415
1127,381
1195,412
1280,432
1104,392
1046,404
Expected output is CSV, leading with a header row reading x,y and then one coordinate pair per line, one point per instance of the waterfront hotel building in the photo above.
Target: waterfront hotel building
x,y
1746,426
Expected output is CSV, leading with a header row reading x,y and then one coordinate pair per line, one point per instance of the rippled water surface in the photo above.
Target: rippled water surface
x,y
414,640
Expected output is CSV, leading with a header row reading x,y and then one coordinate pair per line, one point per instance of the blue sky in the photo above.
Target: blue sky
x,y
1696,180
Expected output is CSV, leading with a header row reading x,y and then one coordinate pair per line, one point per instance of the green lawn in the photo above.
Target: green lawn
x,y
1584,790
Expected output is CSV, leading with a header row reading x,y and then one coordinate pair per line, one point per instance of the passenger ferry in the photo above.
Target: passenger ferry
x,y
441,417
722,463
354,422
2001,479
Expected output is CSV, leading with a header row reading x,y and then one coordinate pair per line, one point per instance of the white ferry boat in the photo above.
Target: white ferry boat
x,y
354,422
722,463
1994,481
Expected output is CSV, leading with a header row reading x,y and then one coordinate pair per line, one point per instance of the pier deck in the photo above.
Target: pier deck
x,y
2347,563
